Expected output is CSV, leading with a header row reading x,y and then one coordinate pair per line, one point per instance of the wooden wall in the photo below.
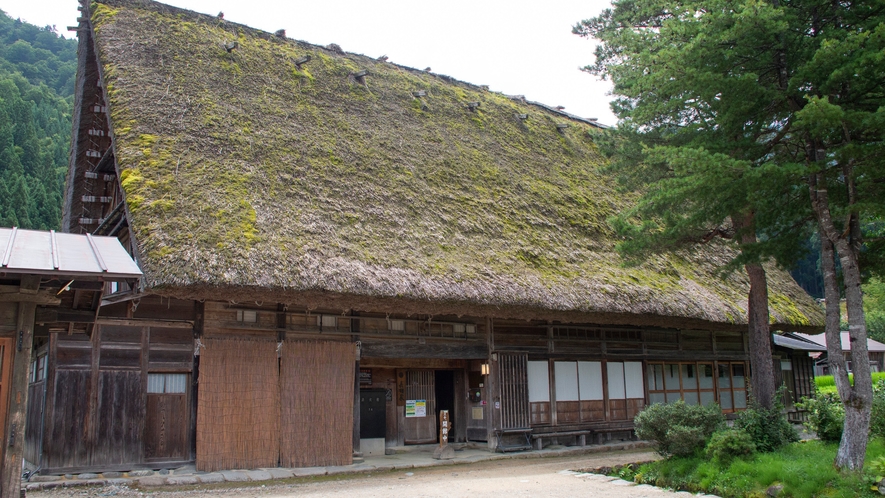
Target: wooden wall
x,y
34,428
542,340
554,343
98,412
96,394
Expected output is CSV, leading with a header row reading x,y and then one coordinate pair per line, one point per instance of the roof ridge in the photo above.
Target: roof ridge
x,y
159,6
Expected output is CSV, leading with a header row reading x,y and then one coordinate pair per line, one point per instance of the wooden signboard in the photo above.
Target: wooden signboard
x,y
443,427
401,388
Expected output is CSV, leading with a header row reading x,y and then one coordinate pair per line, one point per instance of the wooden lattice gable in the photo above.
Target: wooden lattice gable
x,y
94,200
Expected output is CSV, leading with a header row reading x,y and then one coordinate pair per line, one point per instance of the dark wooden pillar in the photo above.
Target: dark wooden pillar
x,y
493,390
23,342
357,451
355,329
199,328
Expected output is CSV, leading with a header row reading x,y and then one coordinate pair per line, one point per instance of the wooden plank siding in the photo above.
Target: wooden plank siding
x,y
96,410
34,428
65,442
164,436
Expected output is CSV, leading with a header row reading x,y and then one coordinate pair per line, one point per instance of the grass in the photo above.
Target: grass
x,y
804,469
827,384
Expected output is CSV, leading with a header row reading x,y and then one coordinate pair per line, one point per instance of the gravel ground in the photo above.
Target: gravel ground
x,y
537,477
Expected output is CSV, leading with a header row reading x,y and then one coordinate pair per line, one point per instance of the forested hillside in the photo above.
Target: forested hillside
x,y
37,70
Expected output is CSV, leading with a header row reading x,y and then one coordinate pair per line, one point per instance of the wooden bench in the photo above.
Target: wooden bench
x,y
581,436
599,432
525,432
596,433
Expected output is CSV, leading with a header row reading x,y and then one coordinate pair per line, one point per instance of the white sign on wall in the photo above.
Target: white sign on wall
x,y
416,408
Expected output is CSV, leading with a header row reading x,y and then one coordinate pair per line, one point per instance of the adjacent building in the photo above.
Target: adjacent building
x,y
876,351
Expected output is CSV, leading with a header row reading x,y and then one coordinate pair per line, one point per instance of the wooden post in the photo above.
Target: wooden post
x,y
10,477
355,337
443,428
444,451
493,390
357,449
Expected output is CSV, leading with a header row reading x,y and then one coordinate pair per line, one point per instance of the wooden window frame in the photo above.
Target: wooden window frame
x,y
717,390
731,389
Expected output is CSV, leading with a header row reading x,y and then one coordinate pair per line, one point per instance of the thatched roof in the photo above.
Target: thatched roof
x,y
247,174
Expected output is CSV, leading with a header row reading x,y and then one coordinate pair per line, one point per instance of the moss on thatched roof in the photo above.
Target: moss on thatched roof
x,y
244,170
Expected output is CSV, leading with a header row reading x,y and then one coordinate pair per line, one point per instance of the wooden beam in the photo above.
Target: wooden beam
x,y
146,323
10,477
45,315
473,350
24,296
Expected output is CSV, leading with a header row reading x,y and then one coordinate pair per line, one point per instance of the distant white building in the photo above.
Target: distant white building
x,y
876,349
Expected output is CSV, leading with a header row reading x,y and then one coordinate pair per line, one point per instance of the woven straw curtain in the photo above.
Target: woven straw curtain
x,y
316,404
238,419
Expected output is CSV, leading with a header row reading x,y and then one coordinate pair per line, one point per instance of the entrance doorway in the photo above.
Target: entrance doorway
x,y
445,398
430,391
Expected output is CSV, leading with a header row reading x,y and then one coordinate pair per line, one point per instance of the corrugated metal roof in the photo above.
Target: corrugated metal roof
x,y
796,343
872,346
64,254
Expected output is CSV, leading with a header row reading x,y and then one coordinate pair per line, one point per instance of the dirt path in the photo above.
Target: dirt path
x,y
536,477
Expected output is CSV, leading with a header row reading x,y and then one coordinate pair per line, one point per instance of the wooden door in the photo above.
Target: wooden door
x,y
373,413
167,418
420,386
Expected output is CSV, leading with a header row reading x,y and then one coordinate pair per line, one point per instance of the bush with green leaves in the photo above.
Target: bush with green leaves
x,y
826,415
876,474
768,428
677,428
726,445
877,420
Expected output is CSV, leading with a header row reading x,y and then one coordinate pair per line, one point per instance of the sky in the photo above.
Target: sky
x,y
517,47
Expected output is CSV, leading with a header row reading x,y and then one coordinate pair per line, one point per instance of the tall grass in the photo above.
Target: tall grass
x,y
827,383
804,469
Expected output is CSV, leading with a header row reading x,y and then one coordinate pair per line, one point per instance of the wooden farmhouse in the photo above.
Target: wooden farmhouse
x,y
46,277
335,248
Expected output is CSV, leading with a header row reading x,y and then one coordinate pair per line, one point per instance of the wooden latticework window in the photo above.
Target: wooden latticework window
x,y
514,390
421,385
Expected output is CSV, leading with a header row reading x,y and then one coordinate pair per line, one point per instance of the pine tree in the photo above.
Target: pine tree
x,y
757,120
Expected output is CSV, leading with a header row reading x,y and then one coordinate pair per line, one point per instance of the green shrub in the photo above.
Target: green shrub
x,y
877,467
876,474
768,428
677,428
684,440
725,445
877,421
826,415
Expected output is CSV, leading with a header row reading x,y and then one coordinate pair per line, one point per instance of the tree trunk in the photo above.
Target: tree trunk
x,y
762,378
857,399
